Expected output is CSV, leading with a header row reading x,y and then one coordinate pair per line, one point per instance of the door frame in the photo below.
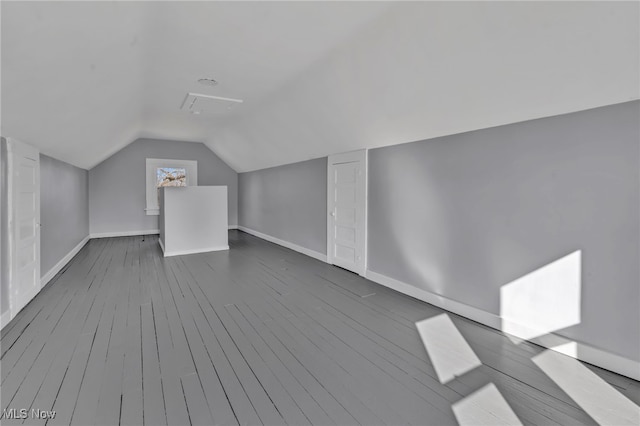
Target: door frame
x,y
361,155
14,145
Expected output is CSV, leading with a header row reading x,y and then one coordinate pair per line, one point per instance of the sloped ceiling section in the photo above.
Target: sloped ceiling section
x,y
80,80
430,69
72,76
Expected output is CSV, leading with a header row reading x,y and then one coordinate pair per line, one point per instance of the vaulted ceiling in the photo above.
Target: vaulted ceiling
x,y
81,80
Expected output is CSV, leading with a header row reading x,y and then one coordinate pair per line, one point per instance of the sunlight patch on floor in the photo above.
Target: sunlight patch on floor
x,y
595,396
448,350
485,406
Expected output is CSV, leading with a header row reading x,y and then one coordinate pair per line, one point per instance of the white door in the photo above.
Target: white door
x,y
24,223
346,208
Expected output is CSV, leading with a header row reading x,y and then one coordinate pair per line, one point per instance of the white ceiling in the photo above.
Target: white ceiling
x,y
80,80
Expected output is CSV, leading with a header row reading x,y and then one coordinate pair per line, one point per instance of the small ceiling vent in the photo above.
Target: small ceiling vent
x,y
197,103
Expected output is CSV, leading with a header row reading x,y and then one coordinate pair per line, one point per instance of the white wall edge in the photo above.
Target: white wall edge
x,y
124,234
5,319
183,252
311,253
586,353
61,264
233,226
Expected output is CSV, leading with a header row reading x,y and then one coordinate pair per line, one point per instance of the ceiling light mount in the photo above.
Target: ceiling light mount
x,y
207,82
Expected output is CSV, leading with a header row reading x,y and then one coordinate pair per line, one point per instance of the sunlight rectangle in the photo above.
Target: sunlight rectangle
x,y
485,406
595,396
448,350
543,301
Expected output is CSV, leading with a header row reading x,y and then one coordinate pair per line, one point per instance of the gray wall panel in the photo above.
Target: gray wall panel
x,y
117,193
4,230
64,210
287,202
463,215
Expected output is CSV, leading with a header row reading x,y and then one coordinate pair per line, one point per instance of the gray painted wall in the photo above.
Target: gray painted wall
x,y
117,194
287,202
462,215
64,210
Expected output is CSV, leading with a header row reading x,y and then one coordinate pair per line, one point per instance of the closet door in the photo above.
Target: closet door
x,y
24,223
346,208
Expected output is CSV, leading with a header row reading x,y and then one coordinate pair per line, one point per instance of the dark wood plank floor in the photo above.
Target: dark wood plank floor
x,y
256,335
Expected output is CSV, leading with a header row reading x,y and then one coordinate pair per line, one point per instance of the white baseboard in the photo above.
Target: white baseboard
x,y
607,360
450,305
283,243
233,226
194,251
183,252
590,354
5,318
58,266
586,353
124,233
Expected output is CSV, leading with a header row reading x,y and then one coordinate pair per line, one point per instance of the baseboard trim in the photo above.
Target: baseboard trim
x,y
233,226
590,354
607,360
194,251
161,244
311,253
61,264
586,353
124,233
450,305
5,319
